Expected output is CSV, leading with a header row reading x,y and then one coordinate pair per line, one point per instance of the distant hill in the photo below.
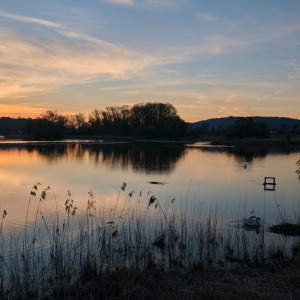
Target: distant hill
x,y
11,125
274,123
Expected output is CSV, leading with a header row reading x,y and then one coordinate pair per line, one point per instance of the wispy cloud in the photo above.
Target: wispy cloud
x,y
233,111
206,16
295,74
21,109
121,2
218,44
25,19
63,57
62,63
180,62
166,3
159,4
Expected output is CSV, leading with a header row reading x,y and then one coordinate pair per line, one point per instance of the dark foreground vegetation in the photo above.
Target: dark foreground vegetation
x,y
276,280
141,249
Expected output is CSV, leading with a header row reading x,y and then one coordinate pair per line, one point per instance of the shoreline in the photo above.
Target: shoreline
x,y
278,141
283,142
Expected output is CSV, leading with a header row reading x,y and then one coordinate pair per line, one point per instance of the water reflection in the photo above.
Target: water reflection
x,y
142,158
145,158
243,153
247,154
209,176
51,152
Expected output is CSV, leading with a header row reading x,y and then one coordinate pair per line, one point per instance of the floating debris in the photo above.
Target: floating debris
x,y
269,184
157,182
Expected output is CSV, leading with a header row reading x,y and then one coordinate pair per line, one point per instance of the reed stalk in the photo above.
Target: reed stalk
x,y
146,236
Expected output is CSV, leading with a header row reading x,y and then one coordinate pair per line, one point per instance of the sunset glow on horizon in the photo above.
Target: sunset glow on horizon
x,y
208,59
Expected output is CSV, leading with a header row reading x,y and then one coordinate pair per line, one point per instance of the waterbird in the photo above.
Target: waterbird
x,y
252,221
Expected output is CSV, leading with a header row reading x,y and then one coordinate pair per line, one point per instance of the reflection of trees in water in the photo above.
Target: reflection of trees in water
x,y
241,154
142,158
248,154
50,151
148,158
157,158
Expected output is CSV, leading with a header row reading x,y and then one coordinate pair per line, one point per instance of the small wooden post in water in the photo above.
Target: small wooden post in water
x,y
269,184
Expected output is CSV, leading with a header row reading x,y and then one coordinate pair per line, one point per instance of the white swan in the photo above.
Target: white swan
x,y
252,221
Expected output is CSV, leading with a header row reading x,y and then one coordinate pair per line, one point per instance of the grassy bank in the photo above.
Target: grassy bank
x,y
275,280
140,248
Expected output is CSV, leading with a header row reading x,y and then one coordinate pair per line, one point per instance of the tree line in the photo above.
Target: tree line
x,y
146,120
149,120
242,127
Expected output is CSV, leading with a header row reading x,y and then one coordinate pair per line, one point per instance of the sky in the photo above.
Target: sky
x,y
209,59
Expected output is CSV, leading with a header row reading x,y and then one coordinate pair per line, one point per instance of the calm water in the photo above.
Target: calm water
x,y
195,175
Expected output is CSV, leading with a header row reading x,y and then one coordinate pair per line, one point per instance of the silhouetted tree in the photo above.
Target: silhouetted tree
x,y
115,120
29,127
150,120
247,127
12,126
77,124
50,125
156,120
95,122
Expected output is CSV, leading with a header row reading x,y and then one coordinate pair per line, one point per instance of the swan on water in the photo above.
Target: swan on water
x,y
252,221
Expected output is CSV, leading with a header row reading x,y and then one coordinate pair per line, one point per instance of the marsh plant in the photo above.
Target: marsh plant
x,y
139,232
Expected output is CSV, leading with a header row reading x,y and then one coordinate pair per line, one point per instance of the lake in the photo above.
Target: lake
x,y
71,204
190,178
198,174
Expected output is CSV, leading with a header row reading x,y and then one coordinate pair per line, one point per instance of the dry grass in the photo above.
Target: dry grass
x,y
141,252
280,280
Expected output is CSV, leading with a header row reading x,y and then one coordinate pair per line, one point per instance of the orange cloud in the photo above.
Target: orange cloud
x,y
22,110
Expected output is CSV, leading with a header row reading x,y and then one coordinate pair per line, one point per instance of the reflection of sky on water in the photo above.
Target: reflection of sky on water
x,y
207,178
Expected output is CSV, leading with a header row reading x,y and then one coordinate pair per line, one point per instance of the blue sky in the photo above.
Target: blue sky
x,y
207,58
